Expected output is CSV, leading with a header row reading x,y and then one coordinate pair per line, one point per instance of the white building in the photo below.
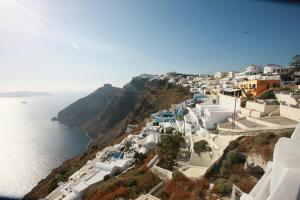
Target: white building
x,y
151,141
191,123
213,114
230,74
230,102
201,107
224,74
253,69
213,117
272,69
220,74
172,80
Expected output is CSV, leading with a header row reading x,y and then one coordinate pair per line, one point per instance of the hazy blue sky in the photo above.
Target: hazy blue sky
x,y
54,45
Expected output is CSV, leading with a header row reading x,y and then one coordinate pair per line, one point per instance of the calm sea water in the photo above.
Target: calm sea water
x,y
31,145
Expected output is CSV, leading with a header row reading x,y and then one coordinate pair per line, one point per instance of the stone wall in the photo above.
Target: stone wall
x,y
288,99
163,174
262,108
256,132
290,112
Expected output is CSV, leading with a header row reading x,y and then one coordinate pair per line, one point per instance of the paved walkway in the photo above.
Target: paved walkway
x,y
249,124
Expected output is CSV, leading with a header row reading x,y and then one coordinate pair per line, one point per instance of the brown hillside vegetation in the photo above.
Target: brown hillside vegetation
x,y
181,187
128,185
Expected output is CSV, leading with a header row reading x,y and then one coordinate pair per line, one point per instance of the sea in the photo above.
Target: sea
x,y
31,145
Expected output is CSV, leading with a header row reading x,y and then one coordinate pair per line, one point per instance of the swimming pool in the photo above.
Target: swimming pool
x,y
117,155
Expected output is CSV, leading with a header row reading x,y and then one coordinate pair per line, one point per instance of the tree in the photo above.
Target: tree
x,y
139,157
128,144
168,148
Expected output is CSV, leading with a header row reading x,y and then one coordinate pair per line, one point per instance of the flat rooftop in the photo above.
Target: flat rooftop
x,y
278,120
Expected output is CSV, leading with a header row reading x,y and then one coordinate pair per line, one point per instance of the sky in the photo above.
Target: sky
x,y
78,45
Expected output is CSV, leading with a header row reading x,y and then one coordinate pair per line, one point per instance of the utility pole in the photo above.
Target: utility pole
x,y
234,110
184,125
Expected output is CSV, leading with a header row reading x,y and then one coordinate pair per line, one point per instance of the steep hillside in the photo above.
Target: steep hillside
x,y
82,110
104,115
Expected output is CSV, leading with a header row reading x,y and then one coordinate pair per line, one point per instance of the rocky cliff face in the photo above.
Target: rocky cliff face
x,y
104,115
76,114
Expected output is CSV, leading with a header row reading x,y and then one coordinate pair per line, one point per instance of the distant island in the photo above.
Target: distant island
x,y
23,94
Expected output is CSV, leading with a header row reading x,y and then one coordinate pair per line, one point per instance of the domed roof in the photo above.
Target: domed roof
x,y
253,69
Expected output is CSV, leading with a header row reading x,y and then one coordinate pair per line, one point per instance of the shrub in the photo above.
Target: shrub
x,y
139,157
179,117
201,146
128,185
52,186
235,158
256,171
234,178
285,134
169,131
180,196
233,145
223,186
246,184
262,139
203,183
266,153
106,177
145,182
232,158
171,187
185,111
121,192
181,187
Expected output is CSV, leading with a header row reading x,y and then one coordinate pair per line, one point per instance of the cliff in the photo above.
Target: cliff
x,y
104,115
79,112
